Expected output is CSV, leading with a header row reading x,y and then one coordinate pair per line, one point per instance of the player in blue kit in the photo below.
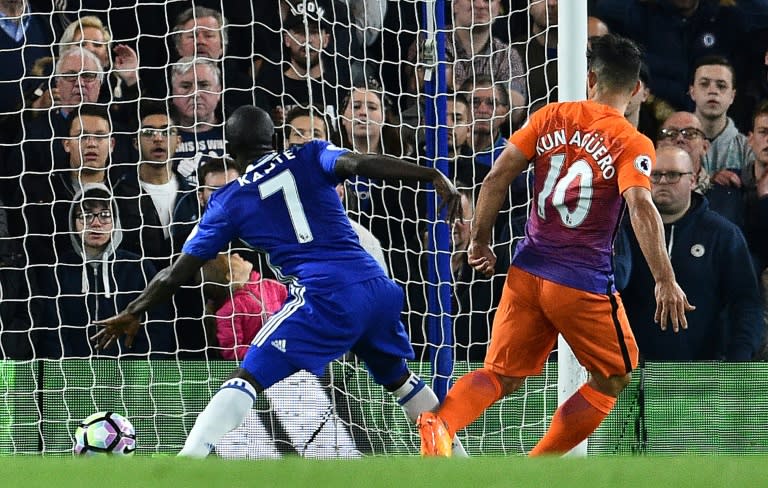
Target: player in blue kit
x,y
285,205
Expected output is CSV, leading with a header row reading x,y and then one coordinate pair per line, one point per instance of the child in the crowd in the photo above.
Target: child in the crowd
x,y
245,301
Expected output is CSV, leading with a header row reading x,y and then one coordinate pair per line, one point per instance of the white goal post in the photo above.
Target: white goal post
x,y
572,74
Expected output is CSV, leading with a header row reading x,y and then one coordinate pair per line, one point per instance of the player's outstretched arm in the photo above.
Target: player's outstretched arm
x,y
493,191
671,302
160,289
382,167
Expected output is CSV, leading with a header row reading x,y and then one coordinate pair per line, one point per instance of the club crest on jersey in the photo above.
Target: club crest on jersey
x,y
643,164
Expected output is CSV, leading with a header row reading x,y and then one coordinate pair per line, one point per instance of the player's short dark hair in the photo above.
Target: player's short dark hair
x,y
714,60
157,107
616,61
214,165
89,109
249,130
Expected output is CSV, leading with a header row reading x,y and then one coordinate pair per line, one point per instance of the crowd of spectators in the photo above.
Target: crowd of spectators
x,y
119,112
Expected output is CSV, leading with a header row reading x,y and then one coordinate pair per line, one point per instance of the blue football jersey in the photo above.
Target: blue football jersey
x,y
286,206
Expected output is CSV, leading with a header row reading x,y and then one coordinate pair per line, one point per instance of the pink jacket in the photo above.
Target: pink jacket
x,y
241,317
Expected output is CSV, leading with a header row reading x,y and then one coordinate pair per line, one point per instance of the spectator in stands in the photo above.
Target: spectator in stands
x,y
457,125
473,293
711,262
196,92
158,191
490,112
713,88
755,88
94,280
676,33
77,74
211,175
474,52
685,130
120,88
344,55
755,188
368,125
302,79
462,165
201,32
25,36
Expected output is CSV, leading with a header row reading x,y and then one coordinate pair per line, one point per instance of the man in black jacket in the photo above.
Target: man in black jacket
x,y
711,262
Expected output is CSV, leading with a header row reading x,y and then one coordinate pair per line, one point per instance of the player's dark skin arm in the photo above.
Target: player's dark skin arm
x,y
388,168
159,290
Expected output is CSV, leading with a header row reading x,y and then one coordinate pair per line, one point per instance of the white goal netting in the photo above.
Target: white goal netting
x,y
86,98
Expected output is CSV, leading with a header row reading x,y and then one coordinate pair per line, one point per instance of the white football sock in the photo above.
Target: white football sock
x,y
224,412
415,397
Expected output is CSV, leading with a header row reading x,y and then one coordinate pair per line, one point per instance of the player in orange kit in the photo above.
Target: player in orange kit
x,y
588,161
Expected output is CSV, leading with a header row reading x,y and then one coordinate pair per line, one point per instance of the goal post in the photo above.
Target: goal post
x,y
572,85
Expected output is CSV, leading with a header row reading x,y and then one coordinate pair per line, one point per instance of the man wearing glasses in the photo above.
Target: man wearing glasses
x,y
147,216
711,262
684,130
93,279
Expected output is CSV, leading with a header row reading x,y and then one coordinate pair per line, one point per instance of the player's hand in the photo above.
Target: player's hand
x,y
113,327
671,306
482,258
451,198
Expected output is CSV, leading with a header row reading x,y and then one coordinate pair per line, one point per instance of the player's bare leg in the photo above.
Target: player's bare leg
x,y
226,411
581,414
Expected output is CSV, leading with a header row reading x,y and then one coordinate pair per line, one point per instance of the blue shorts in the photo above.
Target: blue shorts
x,y
315,327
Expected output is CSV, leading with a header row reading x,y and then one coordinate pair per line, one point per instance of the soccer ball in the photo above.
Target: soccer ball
x,y
105,433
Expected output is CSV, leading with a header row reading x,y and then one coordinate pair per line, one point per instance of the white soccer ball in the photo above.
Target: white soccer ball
x,y
105,433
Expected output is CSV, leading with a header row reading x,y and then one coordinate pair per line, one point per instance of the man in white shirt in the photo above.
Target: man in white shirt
x,y
147,217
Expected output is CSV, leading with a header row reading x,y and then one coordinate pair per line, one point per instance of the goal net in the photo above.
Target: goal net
x,y
383,77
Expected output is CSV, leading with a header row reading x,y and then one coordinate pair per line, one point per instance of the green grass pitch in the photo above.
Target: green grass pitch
x,y
390,472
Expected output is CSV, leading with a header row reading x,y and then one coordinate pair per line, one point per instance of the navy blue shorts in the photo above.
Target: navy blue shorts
x,y
313,328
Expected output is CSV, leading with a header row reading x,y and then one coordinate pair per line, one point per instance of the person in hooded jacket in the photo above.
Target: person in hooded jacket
x,y
93,281
711,262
